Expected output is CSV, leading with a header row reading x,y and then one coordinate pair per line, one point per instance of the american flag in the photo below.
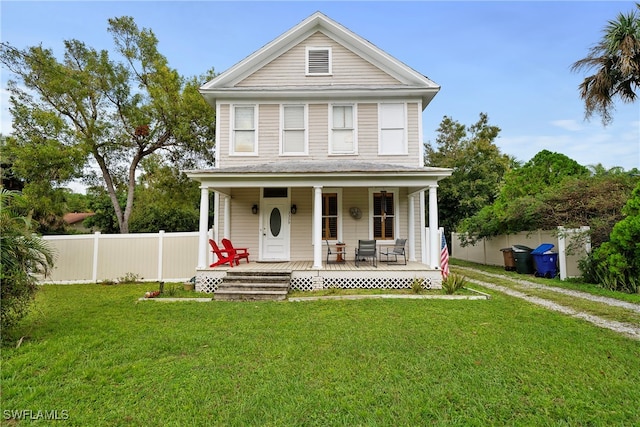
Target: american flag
x,y
444,258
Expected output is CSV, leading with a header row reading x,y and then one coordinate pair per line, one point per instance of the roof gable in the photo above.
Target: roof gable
x,y
310,27
288,69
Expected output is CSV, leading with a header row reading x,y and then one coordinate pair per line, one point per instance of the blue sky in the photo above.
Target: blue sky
x,y
510,60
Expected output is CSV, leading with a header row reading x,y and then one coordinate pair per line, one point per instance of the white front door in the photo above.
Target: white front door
x,y
276,224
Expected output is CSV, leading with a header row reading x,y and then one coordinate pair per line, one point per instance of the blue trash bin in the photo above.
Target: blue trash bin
x,y
545,261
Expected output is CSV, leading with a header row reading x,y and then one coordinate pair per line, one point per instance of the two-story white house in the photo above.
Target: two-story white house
x,y
319,139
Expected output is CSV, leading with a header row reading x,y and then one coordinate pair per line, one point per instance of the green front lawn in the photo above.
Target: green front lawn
x,y
106,359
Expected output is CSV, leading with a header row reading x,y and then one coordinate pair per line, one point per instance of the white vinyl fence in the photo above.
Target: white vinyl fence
x,y
570,244
91,258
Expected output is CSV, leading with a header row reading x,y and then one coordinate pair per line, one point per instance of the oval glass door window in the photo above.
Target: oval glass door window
x,y
275,222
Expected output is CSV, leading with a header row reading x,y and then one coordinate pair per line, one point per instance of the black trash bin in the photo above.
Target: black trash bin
x,y
509,260
523,258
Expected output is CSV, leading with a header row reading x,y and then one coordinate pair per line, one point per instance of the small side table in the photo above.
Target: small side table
x,y
341,252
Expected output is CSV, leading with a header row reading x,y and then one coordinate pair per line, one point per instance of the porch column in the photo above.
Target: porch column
x,y
203,240
227,216
412,228
434,243
317,227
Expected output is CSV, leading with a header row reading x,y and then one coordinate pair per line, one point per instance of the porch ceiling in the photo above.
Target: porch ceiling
x,y
327,173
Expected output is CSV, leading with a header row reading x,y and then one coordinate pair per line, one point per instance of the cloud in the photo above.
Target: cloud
x,y
570,125
610,150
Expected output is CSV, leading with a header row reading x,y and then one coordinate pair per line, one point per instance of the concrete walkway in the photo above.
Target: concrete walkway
x,y
629,330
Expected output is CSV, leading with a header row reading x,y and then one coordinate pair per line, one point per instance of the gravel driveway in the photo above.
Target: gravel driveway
x,y
627,329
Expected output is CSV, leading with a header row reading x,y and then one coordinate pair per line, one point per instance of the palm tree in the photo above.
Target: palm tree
x,y
23,255
600,170
616,60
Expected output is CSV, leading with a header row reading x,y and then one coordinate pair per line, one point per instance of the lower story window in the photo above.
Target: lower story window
x,y
383,216
329,216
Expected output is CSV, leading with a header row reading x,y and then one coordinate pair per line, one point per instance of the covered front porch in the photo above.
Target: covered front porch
x,y
287,213
345,275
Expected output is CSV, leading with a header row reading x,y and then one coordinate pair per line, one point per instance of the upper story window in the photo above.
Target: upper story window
x,y
243,139
294,130
393,128
343,139
318,61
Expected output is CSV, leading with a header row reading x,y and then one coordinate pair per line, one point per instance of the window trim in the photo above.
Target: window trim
x,y
232,130
396,212
305,113
310,49
405,144
354,112
338,191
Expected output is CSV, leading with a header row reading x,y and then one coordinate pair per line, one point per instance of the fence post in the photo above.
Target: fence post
x,y
562,251
160,251
96,244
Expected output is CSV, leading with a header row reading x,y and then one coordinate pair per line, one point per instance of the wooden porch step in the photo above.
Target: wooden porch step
x,y
251,285
249,295
257,279
257,286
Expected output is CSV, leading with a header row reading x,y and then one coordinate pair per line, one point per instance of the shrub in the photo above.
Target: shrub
x,y
23,256
416,285
129,278
453,283
616,263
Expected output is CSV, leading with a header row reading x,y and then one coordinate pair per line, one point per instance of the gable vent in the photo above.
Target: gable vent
x,y
318,61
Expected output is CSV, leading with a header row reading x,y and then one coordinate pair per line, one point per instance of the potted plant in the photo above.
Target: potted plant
x,y
190,285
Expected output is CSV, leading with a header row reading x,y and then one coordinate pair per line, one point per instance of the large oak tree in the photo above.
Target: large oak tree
x,y
110,113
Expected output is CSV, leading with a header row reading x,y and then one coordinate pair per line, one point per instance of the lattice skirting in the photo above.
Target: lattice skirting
x,y
309,280
208,281
310,283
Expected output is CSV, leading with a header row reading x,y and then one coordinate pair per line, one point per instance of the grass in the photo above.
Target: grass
x,y
339,292
106,359
573,284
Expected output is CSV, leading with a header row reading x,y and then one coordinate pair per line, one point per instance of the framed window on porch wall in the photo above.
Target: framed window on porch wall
x,y
243,136
331,221
384,205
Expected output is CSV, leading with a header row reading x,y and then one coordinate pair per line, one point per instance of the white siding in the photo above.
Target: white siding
x,y
245,230
289,68
318,129
301,244
368,132
268,132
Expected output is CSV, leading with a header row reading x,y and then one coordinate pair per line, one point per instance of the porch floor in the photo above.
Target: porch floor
x,y
346,266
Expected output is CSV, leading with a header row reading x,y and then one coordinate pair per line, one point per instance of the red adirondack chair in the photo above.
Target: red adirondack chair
x,y
224,255
240,253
